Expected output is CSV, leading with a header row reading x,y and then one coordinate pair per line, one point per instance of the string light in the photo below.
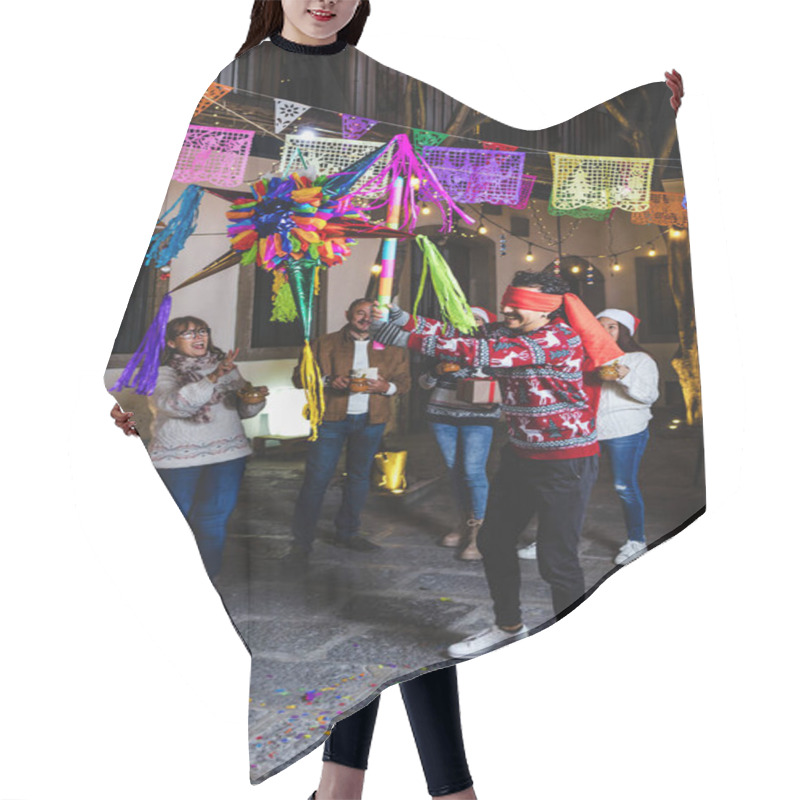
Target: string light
x,y
376,269
483,230
529,256
675,233
586,256
652,251
426,209
575,270
616,266
414,183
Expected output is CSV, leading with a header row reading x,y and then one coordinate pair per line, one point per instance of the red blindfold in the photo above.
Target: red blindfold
x,y
519,297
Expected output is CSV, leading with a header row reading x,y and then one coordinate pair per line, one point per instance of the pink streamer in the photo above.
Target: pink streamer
x,y
407,164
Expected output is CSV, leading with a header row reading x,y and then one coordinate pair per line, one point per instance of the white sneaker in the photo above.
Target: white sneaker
x,y
629,551
528,553
483,642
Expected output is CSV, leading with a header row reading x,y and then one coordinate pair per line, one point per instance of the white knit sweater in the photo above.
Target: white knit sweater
x,y
625,404
178,440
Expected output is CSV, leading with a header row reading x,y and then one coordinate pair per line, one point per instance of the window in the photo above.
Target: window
x,y
655,303
257,337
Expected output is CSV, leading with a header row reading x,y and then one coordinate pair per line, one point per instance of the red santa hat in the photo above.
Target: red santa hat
x,y
485,315
623,317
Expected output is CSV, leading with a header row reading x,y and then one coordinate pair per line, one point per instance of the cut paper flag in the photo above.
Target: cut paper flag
x,y
356,127
213,93
320,156
478,176
422,138
286,112
213,155
525,193
499,146
598,214
666,208
601,182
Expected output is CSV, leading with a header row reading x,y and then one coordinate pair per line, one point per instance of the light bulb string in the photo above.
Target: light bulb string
x,y
531,243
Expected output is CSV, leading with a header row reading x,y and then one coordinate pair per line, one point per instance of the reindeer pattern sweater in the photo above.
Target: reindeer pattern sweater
x,y
540,375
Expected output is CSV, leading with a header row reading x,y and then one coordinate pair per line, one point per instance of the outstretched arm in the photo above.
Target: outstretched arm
x,y
500,353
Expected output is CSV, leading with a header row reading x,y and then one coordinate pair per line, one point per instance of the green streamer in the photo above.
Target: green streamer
x,y
455,307
284,308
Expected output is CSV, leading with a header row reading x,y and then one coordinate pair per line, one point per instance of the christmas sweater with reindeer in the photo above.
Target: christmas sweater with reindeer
x,y
540,375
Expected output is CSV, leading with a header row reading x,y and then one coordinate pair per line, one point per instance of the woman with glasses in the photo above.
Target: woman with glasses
x,y
199,446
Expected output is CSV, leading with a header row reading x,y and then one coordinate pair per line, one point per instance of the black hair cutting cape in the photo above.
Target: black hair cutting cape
x,y
599,199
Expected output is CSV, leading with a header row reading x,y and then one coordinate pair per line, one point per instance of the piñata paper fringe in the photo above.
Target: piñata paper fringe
x,y
168,242
147,357
406,163
455,307
283,305
311,378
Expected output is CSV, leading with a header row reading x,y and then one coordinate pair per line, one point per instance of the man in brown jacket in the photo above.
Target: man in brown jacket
x,y
353,418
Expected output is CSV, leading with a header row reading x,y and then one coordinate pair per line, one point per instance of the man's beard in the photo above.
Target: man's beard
x,y
357,332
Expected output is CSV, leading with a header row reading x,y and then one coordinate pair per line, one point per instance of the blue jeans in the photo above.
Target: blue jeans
x,y
363,441
466,450
626,454
206,496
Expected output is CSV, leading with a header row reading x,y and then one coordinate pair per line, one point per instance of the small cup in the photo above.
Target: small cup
x,y
449,366
609,372
250,395
358,380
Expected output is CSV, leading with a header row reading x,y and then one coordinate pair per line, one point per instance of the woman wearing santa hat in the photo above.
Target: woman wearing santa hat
x,y
629,388
464,433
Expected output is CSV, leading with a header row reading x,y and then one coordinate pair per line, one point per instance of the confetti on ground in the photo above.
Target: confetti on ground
x,y
446,599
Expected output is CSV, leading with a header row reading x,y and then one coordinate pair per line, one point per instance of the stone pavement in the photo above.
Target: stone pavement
x,y
357,622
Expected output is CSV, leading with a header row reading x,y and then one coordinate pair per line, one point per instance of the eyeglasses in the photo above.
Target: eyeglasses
x,y
193,333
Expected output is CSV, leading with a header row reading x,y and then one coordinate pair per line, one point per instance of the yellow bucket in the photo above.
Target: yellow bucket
x,y
390,471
